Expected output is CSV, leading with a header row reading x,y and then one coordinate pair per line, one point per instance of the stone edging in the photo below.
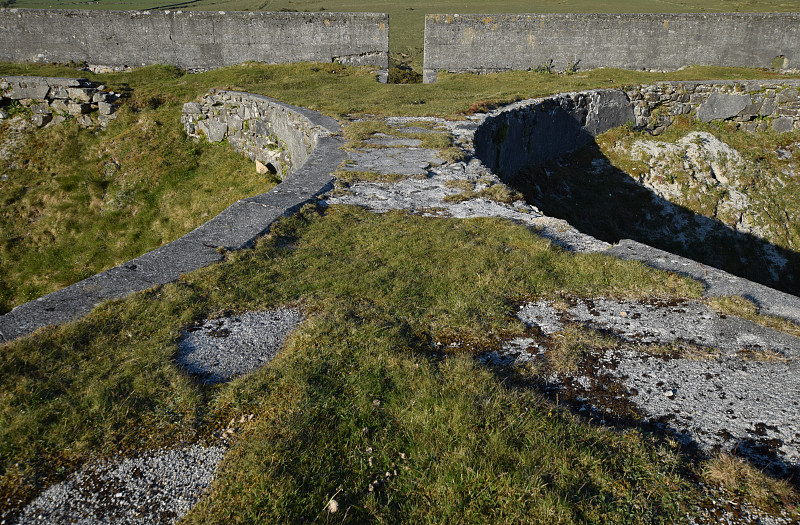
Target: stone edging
x,y
535,130
235,228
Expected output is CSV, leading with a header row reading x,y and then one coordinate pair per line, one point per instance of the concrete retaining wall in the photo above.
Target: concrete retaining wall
x,y
192,40
490,43
235,228
536,130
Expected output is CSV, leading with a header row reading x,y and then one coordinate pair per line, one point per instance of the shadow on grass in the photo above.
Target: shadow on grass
x,y
587,191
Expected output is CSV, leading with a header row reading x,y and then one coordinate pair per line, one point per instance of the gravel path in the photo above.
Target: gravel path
x,y
160,487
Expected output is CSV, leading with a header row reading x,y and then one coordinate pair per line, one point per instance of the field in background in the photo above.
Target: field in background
x,y
407,19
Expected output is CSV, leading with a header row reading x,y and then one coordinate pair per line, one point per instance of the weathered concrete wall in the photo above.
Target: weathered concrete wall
x,y
533,131
489,43
192,39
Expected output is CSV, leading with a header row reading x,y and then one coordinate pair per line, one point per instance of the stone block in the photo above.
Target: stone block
x,y
192,108
75,108
769,107
783,124
234,122
81,94
216,130
100,96
32,90
40,120
58,92
59,106
41,109
106,108
787,95
721,106
85,121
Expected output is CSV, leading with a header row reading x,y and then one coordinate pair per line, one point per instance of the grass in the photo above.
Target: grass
x,y
407,19
106,384
96,173
742,307
360,378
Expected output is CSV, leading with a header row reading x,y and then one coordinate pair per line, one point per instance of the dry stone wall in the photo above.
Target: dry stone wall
x,y
490,43
755,105
51,101
192,40
277,138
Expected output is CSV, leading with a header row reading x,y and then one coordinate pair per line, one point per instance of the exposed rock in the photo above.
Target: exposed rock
x,y
721,106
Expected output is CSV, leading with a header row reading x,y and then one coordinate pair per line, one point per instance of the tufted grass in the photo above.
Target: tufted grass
x,y
463,442
385,295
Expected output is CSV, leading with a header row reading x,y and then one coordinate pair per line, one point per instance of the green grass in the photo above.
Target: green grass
x,y
68,221
467,445
407,19
106,384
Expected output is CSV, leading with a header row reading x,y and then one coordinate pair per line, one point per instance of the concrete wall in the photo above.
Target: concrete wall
x,y
489,43
192,39
536,130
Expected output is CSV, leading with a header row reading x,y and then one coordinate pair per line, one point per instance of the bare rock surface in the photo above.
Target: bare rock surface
x,y
159,487
735,389
428,185
220,349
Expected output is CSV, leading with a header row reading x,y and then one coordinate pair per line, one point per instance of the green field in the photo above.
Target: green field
x,y
407,19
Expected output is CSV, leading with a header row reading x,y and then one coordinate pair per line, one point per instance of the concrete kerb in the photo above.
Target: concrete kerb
x,y
535,130
235,228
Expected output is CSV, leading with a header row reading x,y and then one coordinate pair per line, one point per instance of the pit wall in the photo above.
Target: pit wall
x,y
51,101
533,131
318,140
492,43
276,138
192,40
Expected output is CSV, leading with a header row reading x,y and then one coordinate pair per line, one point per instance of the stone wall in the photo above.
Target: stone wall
x,y
235,228
536,130
753,105
490,43
192,40
270,133
51,101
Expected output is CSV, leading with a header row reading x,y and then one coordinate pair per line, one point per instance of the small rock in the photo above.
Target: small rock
x,y
40,120
106,108
376,402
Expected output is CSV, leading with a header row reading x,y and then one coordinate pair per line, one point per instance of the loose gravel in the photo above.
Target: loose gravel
x,y
220,349
160,487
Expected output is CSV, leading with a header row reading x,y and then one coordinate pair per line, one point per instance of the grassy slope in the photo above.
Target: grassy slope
x,y
76,202
106,384
157,163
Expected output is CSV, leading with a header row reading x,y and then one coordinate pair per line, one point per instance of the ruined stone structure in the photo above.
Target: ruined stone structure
x,y
53,100
491,43
193,40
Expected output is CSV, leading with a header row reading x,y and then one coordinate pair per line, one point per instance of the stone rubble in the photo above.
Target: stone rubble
x,y
52,100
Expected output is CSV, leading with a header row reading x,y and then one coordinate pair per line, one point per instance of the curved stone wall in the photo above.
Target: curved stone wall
x,y
533,131
314,143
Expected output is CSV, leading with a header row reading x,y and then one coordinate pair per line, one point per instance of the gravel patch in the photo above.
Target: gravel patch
x,y
160,487
219,349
